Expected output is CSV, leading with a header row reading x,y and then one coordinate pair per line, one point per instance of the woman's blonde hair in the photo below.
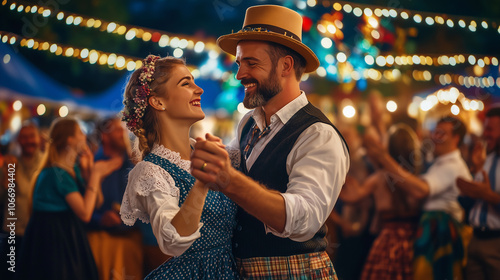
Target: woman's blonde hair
x,y
60,130
147,128
404,147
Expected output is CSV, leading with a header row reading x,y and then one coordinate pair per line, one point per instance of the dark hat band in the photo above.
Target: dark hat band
x,y
272,28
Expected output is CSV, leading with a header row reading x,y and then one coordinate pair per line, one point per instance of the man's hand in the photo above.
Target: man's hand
x,y
476,190
210,162
215,139
374,148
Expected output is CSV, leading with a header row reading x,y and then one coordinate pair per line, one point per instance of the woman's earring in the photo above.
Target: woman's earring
x,y
163,109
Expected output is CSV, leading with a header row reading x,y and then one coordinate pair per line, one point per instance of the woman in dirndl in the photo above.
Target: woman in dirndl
x,y
391,255
190,222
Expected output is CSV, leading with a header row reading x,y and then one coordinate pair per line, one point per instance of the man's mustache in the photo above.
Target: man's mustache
x,y
248,81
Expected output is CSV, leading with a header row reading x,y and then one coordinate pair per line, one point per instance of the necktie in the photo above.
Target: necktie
x,y
256,135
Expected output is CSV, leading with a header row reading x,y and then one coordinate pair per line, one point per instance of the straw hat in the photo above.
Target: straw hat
x,y
273,24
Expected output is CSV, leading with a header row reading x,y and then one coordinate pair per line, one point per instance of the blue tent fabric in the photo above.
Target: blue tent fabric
x,y
19,77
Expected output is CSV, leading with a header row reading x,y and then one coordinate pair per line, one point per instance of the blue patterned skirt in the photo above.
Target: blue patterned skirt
x,y
215,263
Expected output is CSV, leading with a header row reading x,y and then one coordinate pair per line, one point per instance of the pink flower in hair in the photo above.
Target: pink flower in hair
x,y
135,107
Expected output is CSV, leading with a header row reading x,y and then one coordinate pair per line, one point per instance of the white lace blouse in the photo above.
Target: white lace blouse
x,y
152,197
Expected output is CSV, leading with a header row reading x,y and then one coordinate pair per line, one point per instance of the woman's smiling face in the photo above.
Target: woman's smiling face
x,y
182,95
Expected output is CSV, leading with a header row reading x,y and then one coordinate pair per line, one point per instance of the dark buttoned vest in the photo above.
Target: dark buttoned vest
x,y
250,238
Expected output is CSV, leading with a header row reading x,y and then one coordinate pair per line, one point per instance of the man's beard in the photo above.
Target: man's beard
x,y
264,91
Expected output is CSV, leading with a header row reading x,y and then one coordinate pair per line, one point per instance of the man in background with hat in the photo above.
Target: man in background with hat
x,y
293,160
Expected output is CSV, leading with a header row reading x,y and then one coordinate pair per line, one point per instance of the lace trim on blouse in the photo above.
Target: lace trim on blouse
x,y
173,157
147,177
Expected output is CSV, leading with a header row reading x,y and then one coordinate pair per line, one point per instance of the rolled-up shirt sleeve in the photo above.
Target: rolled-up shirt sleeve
x,y
151,196
317,166
439,179
441,176
162,208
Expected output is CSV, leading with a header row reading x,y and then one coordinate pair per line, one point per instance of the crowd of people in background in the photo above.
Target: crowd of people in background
x,y
86,208
394,214
82,236
432,210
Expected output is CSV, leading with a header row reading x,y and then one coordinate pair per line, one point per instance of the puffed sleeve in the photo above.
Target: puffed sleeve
x,y
151,196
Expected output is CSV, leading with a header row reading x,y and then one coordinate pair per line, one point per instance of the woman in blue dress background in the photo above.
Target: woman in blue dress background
x,y
55,242
189,221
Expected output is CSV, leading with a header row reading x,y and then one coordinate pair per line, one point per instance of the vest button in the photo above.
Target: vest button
x,y
235,245
239,228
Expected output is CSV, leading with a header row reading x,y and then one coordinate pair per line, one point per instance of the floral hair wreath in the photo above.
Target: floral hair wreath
x,y
136,107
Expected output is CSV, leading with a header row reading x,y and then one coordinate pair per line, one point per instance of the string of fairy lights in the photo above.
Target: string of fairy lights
x,y
450,96
431,60
92,56
472,24
181,42
162,38
422,76
122,62
371,13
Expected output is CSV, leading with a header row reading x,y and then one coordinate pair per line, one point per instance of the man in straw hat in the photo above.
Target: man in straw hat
x,y
293,160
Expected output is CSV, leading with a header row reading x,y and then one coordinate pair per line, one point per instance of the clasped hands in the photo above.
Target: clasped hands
x,y
210,163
